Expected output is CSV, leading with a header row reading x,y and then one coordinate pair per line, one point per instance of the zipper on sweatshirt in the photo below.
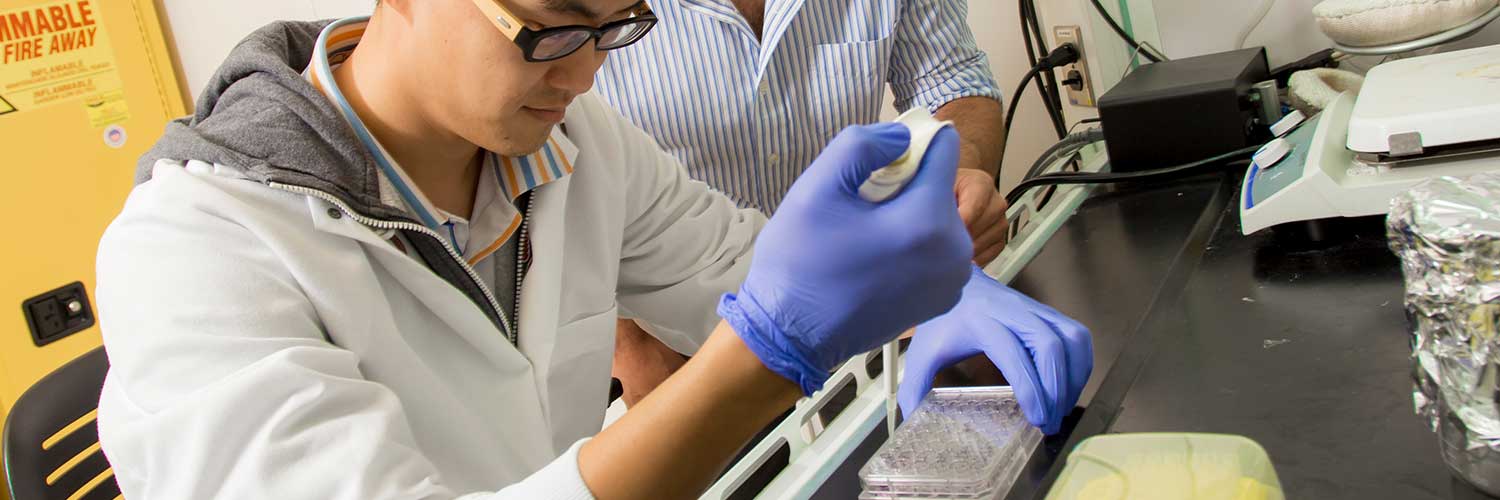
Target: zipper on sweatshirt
x,y
409,226
523,261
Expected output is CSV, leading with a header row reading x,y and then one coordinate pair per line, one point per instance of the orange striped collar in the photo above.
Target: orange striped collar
x,y
513,175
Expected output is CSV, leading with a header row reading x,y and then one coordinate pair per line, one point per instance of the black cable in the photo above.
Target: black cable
x,y
1010,117
1027,36
1053,108
1121,31
1036,170
1106,178
1065,54
1051,90
1015,101
1078,178
1069,146
1077,142
1031,55
1031,58
1082,122
1054,113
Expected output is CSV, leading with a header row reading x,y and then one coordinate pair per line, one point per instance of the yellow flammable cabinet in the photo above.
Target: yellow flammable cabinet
x,y
86,86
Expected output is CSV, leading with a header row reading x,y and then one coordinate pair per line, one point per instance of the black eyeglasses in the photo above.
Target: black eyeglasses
x,y
557,42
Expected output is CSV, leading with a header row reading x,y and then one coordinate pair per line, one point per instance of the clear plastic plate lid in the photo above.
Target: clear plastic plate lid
x,y
966,442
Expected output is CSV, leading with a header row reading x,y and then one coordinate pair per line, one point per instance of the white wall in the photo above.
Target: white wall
x,y
1196,27
997,30
205,30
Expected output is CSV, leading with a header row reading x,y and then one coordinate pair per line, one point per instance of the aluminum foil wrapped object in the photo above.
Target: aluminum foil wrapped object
x,y
1447,233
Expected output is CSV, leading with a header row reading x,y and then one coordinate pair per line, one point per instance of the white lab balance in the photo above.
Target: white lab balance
x,y
1413,120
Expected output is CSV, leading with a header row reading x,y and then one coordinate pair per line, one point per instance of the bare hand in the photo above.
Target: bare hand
x,y
982,209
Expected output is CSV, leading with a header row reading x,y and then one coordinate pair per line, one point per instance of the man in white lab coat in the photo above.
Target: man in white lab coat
x,y
385,257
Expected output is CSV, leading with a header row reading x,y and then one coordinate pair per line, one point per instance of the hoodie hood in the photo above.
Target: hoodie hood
x,y
259,114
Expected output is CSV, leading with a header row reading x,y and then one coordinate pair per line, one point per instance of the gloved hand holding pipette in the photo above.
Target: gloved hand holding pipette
x,y
897,262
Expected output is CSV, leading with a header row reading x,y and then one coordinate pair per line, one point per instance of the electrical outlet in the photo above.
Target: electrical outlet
x,y
57,314
48,317
1075,77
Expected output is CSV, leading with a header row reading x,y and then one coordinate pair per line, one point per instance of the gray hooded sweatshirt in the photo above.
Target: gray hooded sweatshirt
x,y
260,114
266,339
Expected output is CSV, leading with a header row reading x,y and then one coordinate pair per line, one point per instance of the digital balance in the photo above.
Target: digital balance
x,y
1413,120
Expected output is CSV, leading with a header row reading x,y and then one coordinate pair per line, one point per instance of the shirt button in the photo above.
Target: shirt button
x,y
765,89
773,158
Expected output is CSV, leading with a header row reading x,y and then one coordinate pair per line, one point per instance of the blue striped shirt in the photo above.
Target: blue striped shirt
x,y
747,115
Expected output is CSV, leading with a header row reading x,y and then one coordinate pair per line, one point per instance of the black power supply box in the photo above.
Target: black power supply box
x,y
1184,110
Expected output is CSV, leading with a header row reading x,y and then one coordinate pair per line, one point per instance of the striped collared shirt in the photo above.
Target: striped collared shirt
x,y
494,218
747,114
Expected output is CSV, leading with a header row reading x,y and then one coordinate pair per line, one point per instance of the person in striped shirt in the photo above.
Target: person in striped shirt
x,y
747,92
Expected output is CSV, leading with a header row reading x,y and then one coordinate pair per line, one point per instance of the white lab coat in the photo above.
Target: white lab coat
x,y
265,344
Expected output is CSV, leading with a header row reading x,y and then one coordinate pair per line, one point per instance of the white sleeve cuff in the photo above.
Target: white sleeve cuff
x,y
559,480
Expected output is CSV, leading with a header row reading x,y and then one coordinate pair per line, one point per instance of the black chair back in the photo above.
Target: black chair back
x,y
51,440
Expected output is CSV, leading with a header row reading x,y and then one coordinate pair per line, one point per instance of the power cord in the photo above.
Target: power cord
x,y
1081,178
1066,147
1015,100
1129,40
1063,55
1081,123
1031,32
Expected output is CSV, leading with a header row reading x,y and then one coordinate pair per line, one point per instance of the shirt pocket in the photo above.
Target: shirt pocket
x,y
846,84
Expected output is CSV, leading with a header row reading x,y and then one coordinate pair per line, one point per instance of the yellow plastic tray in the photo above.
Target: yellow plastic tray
x,y
1167,466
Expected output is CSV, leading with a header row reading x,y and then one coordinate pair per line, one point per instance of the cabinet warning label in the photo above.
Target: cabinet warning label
x,y
54,52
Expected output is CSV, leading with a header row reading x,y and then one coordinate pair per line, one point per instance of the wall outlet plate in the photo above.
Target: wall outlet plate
x,y
1082,96
57,314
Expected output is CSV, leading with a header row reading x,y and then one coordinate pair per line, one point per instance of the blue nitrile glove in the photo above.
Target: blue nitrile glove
x,y
834,275
1046,356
